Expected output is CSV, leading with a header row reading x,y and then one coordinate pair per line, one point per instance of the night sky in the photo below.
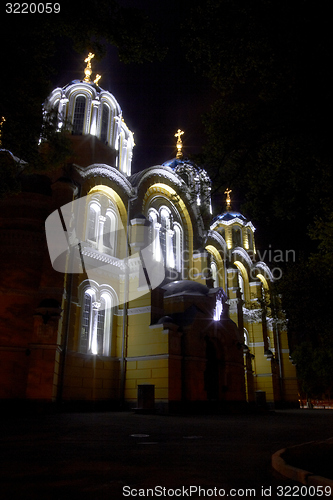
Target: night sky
x,y
156,98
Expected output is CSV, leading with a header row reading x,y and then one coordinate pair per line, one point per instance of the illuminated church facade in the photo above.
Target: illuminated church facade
x,y
114,283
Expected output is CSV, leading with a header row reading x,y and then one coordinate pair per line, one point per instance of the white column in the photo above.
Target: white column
x,y
101,221
156,242
93,340
94,112
169,249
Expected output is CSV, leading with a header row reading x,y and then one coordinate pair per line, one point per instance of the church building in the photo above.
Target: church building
x,y
122,290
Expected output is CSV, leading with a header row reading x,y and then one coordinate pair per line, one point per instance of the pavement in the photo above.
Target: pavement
x,y
121,455
308,463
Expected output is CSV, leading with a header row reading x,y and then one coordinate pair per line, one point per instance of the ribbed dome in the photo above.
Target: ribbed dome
x,y
228,216
185,287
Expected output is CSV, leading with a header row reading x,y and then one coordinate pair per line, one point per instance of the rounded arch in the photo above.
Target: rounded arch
x,y
76,113
262,269
114,196
161,190
105,221
105,120
244,274
219,265
263,281
237,236
98,304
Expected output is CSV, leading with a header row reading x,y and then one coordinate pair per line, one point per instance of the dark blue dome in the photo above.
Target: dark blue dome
x,y
185,287
226,216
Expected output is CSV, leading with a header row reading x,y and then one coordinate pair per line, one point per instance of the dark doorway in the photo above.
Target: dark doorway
x,y
212,371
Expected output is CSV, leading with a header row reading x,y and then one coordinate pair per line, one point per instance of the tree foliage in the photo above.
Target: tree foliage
x,y
268,140
266,133
30,59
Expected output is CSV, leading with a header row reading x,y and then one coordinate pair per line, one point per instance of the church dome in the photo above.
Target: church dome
x,y
185,287
195,178
86,109
230,216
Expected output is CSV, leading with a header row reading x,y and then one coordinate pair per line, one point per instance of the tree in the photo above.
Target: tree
x,y
30,61
267,139
266,133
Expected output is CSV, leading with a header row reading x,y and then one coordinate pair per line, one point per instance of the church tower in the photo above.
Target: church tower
x,y
94,118
254,306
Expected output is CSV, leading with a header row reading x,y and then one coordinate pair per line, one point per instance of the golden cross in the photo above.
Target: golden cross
x,y
97,79
179,144
88,71
228,200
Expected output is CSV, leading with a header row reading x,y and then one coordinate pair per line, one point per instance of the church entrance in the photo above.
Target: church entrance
x,y
211,374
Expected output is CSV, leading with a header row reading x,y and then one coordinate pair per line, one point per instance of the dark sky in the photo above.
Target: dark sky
x,y
156,98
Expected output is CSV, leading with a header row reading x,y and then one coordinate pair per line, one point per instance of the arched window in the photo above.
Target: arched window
x,y
79,113
166,236
102,226
109,231
250,239
86,319
165,225
93,220
96,323
246,337
154,235
241,284
215,276
236,237
178,246
105,122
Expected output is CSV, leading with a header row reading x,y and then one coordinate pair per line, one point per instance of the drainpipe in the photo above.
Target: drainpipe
x,y
69,289
125,315
277,340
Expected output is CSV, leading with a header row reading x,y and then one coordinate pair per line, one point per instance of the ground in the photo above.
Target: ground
x,y
107,455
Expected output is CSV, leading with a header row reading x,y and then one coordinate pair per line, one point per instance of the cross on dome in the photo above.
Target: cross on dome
x,y
88,70
228,199
179,144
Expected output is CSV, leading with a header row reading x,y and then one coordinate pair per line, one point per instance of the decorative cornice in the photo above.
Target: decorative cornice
x,y
265,269
244,255
214,235
237,220
108,172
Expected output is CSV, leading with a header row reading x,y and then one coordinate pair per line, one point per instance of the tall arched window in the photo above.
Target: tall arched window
x,y
79,113
86,319
105,122
109,231
250,239
165,226
96,323
93,220
102,225
154,238
241,284
215,276
166,236
178,246
236,237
